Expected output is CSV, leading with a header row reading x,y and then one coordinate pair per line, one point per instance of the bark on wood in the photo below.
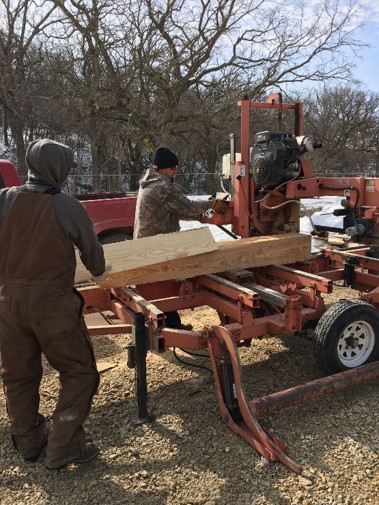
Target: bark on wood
x,y
234,254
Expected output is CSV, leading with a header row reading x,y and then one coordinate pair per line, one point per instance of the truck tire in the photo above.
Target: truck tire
x,y
347,336
113,237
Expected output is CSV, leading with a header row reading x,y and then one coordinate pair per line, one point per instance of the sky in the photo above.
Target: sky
x,y
367,67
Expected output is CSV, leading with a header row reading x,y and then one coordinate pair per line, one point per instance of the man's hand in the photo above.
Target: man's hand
x,y
103,276
219,206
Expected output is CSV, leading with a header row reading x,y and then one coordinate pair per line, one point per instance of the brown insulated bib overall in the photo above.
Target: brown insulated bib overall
x,y
41,312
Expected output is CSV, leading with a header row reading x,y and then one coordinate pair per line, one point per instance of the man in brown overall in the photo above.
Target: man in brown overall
x,y
161,204
41,312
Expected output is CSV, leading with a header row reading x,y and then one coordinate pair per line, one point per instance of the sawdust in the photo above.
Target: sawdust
x,y
187,455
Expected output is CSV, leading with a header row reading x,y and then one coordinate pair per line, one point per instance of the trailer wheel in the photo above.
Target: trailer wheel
x,y
347,336
116,236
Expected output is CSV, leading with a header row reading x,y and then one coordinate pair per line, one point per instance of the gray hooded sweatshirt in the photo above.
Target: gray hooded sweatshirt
x,y
49,164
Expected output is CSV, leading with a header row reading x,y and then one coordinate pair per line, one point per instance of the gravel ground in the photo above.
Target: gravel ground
x,y
187,455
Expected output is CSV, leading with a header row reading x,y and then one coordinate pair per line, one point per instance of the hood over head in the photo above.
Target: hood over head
x,y
48,162
152,176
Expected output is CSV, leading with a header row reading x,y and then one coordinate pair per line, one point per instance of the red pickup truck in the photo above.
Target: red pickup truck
x,y
112,213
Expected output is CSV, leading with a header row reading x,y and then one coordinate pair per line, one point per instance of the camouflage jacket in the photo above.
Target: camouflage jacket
x,y
161,203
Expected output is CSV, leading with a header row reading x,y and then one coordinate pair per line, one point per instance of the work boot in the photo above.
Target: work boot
x,y
91,451
31,445
172,319
187,327
33,458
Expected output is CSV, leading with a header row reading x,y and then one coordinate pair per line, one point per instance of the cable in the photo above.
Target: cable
x,y
197,355
277,187
189,363
316,232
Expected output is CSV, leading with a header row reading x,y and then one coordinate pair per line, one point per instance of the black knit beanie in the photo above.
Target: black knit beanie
x,y
164,158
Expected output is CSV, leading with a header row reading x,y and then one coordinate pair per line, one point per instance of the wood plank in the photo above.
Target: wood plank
x,y
136,254
242,253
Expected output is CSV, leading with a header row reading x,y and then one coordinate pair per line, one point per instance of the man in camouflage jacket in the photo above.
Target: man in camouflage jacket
x,y
161,204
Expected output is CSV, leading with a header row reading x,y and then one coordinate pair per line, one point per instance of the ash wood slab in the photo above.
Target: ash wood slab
x,y
233,254
137,254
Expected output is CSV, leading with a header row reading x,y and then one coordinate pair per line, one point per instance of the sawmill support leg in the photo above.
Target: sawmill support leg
x,y
137,353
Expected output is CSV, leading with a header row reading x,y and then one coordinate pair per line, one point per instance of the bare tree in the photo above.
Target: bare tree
x,y
181,46
129,76
184,43
345,120
23,24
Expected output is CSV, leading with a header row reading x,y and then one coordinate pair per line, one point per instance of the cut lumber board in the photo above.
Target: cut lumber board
x,y
231,254
136,254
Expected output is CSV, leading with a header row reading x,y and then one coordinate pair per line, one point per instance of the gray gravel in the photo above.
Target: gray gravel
x,y
188,456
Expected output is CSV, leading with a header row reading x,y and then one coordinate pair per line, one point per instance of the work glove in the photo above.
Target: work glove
x,y
218,205
103,276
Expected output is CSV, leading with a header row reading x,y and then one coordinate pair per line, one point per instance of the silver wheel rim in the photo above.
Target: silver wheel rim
x,y
356,343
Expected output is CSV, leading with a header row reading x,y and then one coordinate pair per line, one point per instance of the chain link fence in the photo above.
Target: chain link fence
x,y
192,184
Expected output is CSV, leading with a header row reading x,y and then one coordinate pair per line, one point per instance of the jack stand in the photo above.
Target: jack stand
x,y
137,353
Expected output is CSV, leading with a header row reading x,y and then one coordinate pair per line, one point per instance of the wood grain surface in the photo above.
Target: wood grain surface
x,y
137,254
231,254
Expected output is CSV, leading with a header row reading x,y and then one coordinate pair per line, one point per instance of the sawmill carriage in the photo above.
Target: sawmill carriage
x,y
268,179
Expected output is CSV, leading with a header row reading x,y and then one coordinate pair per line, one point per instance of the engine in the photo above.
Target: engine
x,y
275,156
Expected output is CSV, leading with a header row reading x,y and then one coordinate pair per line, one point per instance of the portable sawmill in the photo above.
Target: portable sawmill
x,y
268,179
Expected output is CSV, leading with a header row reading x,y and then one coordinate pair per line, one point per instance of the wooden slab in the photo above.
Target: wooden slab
x,y
103,366
233,254
136,254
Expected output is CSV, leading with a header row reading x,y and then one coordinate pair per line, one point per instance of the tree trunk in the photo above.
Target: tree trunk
x,y
135,155
5,125
17,128
95,166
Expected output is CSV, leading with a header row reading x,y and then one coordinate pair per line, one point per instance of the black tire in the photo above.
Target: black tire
x,y
310,324
116,236
347,336
308,329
